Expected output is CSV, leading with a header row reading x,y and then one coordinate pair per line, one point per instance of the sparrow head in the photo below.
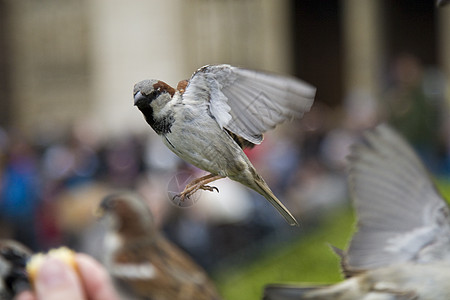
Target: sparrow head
x,y
147,91
127,214
151,96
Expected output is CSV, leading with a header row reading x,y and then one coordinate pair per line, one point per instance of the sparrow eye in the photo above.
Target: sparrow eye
x,y
108,203
153,95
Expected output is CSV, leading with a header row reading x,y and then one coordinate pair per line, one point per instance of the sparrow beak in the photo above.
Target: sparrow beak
x,y
99,212
105,206
138,97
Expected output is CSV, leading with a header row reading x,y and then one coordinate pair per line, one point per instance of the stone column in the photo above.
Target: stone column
x,y
444,46
361,32
131,41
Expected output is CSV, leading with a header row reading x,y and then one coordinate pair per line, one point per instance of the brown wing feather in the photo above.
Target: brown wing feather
x,y
177,276
243,143
181,87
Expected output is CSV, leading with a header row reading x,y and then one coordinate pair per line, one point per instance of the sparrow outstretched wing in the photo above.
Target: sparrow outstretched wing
x,y
249,103
401,215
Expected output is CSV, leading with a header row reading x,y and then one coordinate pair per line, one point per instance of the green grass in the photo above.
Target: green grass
x,y
443,186
306,260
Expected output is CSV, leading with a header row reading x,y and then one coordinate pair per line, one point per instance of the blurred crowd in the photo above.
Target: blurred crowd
x,y
50,184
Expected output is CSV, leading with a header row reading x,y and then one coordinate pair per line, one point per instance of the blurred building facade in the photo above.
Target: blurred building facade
x,y
77,60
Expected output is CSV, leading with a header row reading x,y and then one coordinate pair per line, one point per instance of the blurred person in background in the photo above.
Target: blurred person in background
x,y
20,192
414,105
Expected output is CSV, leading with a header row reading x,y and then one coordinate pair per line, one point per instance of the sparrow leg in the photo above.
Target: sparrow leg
x,y
199,184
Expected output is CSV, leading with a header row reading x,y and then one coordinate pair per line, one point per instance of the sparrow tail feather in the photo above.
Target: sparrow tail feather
x,y
262,188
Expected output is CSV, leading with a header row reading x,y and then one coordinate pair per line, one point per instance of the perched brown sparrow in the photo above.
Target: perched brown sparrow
x,y
401,250
13,276
209,119
146,264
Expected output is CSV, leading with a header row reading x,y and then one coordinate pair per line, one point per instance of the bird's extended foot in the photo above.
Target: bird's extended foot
x,y
198,184
209,188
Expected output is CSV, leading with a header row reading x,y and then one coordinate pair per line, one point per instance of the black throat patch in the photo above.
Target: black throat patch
x,y
163,125
160,125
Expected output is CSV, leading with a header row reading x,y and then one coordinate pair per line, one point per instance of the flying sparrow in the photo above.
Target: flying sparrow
x,y
401,249
142,261
209,119
13,276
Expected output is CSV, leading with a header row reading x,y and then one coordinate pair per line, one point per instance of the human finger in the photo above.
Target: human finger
x,y
56,280
95,279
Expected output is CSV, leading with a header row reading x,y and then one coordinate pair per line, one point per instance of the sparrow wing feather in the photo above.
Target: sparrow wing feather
x,y
249,103
160,268
193,281
401,215
349,289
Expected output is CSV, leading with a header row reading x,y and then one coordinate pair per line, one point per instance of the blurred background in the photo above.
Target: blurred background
x,y
69,133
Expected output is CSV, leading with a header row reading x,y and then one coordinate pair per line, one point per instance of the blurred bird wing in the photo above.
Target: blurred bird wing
x,y
401,215
350,289
346,270
161,268
289,291
134,271
249,103
197,284
178,263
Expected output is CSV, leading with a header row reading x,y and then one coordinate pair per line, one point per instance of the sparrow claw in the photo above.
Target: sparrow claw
x,y
188,192
194,186
209,188
183,196
177,196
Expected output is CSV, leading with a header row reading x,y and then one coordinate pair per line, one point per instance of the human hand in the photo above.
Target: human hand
x,y
56,280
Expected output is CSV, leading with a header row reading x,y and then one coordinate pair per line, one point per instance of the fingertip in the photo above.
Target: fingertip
x,y
26,295
57,280
88,266
85,261
96,280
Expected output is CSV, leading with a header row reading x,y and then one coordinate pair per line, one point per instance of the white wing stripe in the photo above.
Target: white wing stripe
x,y
134,271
